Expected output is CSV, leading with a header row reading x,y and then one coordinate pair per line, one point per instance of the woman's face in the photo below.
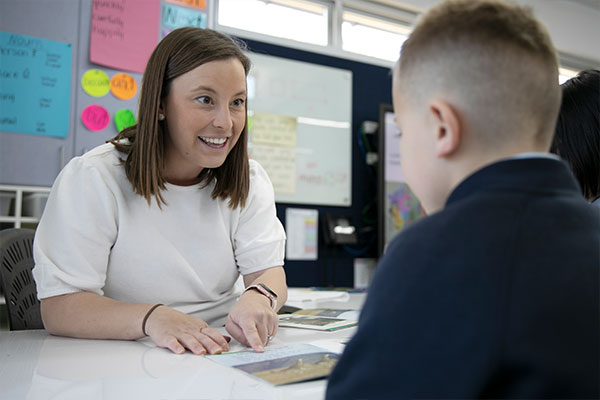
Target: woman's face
x,y
205,113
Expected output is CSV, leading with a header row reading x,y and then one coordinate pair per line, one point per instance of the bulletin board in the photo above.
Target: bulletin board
x,y
70,75
300,129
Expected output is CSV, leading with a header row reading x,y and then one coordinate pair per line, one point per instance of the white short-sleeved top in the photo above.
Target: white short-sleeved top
x,y
98,235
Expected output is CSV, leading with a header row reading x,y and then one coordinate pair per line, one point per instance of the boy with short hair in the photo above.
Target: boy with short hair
x,y
496,293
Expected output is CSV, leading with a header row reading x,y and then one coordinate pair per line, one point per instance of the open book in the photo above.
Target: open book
x,y
322,319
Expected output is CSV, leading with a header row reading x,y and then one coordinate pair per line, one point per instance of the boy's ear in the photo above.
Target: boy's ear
x,y
448,128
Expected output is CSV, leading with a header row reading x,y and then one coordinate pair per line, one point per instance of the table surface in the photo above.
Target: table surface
x,y
36,365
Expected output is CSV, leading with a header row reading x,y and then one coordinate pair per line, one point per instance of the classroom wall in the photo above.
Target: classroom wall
x,y
574,29
371,85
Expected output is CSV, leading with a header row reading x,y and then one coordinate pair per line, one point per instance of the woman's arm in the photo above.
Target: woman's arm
x,y
274,278
252,320
91,316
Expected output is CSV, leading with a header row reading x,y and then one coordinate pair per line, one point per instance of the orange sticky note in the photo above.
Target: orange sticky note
x,y
201,4
123,86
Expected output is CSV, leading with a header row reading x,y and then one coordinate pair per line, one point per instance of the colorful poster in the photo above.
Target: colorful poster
x,y
178,17
301,229
402,208
35,85
200,4
123,33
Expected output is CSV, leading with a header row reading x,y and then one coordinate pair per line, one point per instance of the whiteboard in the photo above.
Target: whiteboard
x,y
300,129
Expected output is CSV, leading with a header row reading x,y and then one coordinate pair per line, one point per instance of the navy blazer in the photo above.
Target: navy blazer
x,y
495,296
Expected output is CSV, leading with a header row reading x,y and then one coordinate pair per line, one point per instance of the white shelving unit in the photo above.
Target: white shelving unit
x,y
21,205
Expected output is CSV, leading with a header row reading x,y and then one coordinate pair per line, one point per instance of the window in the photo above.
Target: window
x,y
564,74
373,36
300,20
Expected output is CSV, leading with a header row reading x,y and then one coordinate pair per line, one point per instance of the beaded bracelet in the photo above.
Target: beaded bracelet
x,y
154,307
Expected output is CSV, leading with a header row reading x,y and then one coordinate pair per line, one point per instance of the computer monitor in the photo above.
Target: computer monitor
x,y
397,205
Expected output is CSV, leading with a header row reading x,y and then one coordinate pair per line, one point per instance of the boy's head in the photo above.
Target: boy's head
x,y
477,81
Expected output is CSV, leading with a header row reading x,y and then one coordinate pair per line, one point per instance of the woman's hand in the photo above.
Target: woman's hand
x,y
177,331
252,321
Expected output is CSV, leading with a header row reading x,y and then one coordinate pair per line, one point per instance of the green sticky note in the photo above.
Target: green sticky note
x,y
124,118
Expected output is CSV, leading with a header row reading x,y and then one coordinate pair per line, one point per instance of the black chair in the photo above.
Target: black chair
x,y
16,263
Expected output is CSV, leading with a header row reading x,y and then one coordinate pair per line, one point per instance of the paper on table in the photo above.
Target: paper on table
x,y
303,298
283,364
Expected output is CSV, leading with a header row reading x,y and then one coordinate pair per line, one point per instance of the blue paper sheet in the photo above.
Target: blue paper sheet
x,y
177,17
35,85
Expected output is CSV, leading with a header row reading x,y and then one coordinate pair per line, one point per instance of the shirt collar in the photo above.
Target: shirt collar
x,y
533,154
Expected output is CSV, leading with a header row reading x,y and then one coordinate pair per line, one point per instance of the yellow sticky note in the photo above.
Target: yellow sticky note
x,y
274,129
95,82
123,86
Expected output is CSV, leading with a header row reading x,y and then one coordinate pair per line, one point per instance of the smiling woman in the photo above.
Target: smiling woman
x,y
206,121
148,234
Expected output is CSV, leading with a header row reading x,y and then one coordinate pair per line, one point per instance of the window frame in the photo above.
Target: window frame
x,y
386,10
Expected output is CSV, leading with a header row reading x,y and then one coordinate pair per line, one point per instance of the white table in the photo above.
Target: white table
x,y
35,365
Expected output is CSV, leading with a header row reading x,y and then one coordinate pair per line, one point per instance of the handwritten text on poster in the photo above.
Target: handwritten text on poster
x,y
123,33
280,164
274,129
178,17
35,85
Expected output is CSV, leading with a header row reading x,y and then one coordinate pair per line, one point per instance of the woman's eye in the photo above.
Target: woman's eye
x,y
203,100
238,102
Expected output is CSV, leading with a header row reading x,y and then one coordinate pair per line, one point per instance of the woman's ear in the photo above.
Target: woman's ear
x,y
448,128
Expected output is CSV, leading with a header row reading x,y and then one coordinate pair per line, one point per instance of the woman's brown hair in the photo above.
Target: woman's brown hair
x,y
179,52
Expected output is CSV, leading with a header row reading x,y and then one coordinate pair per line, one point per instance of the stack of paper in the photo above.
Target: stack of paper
x,y
303,297
322,319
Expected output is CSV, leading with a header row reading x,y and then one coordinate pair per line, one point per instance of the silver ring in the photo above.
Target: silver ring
x,y
269,337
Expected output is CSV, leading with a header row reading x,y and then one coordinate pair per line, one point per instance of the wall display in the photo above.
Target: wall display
x,y
176,17
398,206
300,129
35,83
112,37
301,229
123,33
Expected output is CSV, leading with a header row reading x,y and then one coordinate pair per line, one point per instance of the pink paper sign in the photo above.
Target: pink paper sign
x,y
95,117
123,33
